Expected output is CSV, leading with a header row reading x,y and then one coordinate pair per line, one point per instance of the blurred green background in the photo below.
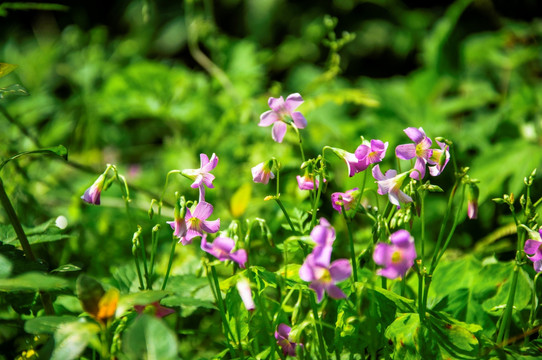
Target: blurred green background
x,y
149,85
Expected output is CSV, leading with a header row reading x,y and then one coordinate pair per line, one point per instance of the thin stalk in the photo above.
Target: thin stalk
x,y
300,142
452,231
422,216
214,291
285,214
362,190
322,345
221,307
144,257
25,244
507,316
170,262
443,225
316,201
533,303
352,251
138,270
154,247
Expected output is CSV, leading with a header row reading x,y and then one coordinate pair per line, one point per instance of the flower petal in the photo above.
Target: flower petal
x,y
224,243
335,292
306,271
279,129
419,169
340,270
414,134
405,151
240,257
283,331
293,101
203,210
381,255
276,104
267,118
318,287
401,238
210,226
299,120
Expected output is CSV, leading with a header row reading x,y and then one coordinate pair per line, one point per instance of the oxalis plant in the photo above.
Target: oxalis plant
x,y
391,298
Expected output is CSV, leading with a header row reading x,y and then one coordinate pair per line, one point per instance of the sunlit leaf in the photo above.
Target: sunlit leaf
x,y
240,200
33,281
6,69
149,338
14,90
72,338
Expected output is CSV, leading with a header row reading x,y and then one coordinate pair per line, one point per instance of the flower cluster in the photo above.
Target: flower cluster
x,y
534,250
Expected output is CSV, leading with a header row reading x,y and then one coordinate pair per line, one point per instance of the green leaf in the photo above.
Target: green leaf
x,y
42,233
5,267
6,69
14,90
33,281
127,302
149,338
89,291
47,324
67,268
72,338
240,200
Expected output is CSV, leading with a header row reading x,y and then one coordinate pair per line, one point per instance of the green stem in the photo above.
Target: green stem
x,y
352,251
170,262
422,216
322,345
361,191
25,244
285,214
300,142
533,303
154,247
504,330
316,201
221,307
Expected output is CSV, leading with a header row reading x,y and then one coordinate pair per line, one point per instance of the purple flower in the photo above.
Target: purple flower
x,y
472,201
534,247
306,182
202,175
348,199
420,150
391,184
371,154
222,248
155,309
439,159
282,334
396,257
261,173
324,236
353,163
92,194
280,114
179,227
324,276
197,222
243,287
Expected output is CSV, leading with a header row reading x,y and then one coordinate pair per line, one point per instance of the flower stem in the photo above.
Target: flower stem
x,y
170,262
352,251
322,345
216,296
285,214
221,307
23,240
300,142
361,191
316,201
154,246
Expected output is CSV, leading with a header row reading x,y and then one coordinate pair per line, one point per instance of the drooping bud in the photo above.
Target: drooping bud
x,y
472,200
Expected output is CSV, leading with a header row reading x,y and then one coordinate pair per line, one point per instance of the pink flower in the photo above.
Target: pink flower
x,y
280,114
371,154
197,223
261,173
396,257
155,309
222,248
306,182
472,201
353,163
202,176
324,237
534,247
439,159
348,199
92,194
323,277
419,150
243,287
391,184
282,334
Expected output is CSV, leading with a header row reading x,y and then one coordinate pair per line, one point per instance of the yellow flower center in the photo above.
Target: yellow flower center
x,y
396,257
